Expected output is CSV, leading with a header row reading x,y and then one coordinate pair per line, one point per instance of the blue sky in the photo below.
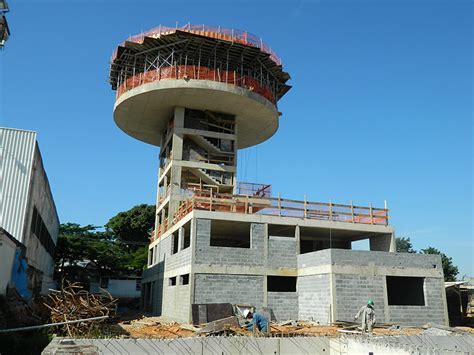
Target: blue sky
x,y
381,106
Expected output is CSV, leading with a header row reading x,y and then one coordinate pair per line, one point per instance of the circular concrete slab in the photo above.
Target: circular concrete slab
x,y
144,111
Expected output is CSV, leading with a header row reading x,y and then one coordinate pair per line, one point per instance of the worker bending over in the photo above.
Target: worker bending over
x,y
368,316
258,321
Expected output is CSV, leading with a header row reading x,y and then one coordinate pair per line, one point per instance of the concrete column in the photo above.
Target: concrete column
x,y
235,154
297,238
163,215
191,273
180,239
382,242
265,256
332,283
385,301
393,244
150,255
176,155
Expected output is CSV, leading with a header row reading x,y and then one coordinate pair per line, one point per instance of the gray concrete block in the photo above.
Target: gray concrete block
x,y
223,288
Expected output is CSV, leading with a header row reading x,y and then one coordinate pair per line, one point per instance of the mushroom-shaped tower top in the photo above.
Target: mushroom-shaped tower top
x,y
197,67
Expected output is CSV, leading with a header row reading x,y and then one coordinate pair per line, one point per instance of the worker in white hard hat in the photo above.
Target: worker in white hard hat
x,y
368,316
258,321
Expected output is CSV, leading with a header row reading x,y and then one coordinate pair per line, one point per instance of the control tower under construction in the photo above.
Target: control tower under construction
x,y
202,93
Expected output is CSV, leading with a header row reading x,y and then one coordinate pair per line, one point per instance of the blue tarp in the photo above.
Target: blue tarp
x,y
19,276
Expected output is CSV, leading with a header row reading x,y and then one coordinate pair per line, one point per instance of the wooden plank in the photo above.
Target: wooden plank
x,y
220,325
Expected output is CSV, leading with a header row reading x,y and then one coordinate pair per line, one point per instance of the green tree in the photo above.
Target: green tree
x,y
449,269
404,245
132,227
77,244
137,259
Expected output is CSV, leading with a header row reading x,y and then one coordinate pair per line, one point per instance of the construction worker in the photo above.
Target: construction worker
x,y
258,321
368,316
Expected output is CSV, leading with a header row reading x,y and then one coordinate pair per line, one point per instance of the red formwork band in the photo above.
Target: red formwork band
x,y
188,72
226,34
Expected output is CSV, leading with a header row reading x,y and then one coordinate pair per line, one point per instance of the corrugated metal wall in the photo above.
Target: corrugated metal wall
x,y
16,159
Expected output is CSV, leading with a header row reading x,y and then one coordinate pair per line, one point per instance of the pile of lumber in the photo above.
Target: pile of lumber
x,y
74,303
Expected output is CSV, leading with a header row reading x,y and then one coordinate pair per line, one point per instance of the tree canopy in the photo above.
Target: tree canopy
x,y
119,249
79,244
404,245
450,270
133,226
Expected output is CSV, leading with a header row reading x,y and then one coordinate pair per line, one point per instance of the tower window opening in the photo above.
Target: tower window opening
x,y
184,279
174,242
172,281
405,291
230,234
281,284
187,235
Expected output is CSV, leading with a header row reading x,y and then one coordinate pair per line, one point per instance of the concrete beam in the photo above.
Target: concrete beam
x,y
292,221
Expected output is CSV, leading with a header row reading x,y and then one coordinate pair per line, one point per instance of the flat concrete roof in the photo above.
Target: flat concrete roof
x,y
144,111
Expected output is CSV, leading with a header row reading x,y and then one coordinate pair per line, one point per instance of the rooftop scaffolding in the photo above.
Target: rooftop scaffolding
x,y
207,200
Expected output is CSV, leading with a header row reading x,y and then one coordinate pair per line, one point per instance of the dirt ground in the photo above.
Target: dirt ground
x,y
466,329
159,328
159,331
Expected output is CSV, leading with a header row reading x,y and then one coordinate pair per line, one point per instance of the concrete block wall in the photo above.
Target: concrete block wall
x,y
315,258
282,252
211,255
353,291
283,304
181,258
154,277
176,303
431,312
157,296
380,258
341,274
314,298
162,251
224,288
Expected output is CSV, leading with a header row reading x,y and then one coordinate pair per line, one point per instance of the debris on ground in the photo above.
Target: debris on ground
x,y
162,328
154,327
159,328
72,302
15,311
219,326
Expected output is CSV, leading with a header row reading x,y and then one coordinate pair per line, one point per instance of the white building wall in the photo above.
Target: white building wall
x,y
16,160
118,288
7,255
40,197
123,288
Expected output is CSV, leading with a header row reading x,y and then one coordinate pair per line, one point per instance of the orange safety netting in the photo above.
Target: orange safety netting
x,y
226,34
188,72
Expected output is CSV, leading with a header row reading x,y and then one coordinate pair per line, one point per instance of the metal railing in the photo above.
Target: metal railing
x,y
226,34
253,189
188,72
209,201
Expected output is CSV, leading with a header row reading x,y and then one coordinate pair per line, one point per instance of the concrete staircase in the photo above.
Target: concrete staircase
x,y
208,179
207,144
